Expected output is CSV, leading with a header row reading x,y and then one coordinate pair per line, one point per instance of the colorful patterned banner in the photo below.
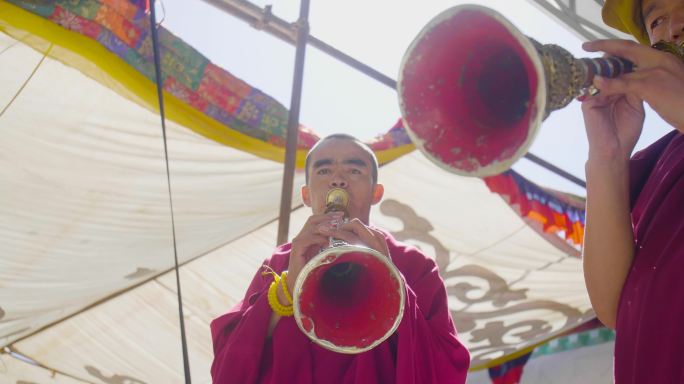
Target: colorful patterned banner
x,y
122,27
556,211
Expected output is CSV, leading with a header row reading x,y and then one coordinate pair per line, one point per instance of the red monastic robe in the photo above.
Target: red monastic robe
x,y
650,319
424,349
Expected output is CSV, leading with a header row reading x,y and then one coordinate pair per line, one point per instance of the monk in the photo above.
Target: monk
x,y
254,344
634,242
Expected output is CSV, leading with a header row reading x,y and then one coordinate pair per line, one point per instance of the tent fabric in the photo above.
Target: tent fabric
x,y
508,288
85,231
13,370
85,208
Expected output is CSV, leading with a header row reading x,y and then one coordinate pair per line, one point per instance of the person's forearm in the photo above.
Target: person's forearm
x,y
609,238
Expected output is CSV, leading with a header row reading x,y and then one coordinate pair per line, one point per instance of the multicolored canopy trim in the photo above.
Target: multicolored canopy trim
x,y
558,212
510,371
114,36
588,334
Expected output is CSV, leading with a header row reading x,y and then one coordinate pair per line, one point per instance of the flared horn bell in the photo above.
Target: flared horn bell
x,y
471,91
348,298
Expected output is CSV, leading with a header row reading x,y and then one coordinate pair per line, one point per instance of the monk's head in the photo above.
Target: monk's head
x,y
342,161
649,21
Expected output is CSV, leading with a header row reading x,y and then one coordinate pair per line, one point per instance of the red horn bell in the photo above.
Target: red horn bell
x,y
349,298
473,90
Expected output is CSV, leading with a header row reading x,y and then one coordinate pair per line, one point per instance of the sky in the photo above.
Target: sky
x,y
337,98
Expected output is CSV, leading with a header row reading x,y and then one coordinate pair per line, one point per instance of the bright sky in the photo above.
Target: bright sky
x,y
337,98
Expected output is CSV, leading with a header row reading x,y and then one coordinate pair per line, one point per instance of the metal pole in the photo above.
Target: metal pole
x,y
160,96
262,19
546,165
293,123
352,62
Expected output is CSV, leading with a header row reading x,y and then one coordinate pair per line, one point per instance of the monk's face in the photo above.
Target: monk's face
x,y
664,20
342,163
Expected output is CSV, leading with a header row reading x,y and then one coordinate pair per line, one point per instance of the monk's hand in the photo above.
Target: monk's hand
x,y
357,233
314,235
613,124
658,79
613,120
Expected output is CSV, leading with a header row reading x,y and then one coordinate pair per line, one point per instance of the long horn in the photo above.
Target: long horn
x,y
473,90
348,298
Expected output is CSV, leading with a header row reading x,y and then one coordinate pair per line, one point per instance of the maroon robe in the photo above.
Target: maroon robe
x,y
650,319
424,349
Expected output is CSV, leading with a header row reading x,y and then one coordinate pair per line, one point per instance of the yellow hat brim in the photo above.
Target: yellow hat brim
x,y
624,15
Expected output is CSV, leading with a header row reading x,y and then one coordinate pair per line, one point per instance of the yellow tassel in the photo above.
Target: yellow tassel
x,y
279,309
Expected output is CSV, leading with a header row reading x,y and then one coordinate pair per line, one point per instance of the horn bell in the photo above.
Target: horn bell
x,y
471,91
349,298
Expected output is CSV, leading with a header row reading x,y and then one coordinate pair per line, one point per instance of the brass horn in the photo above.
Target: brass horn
x,y
348,298
473,90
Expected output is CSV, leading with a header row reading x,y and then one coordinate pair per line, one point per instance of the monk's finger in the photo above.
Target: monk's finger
x,y
301,245
357,227
640,55
381,242
348,237
316,223
640,84
626,49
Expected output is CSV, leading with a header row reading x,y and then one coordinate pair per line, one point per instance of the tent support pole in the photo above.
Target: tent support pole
x,y
293,123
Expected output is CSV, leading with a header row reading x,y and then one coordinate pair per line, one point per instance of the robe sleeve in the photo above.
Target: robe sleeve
x,y
642,163
240,336
428,349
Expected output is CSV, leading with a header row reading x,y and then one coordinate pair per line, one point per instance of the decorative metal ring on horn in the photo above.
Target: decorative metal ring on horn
x,y
348,298
473,90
